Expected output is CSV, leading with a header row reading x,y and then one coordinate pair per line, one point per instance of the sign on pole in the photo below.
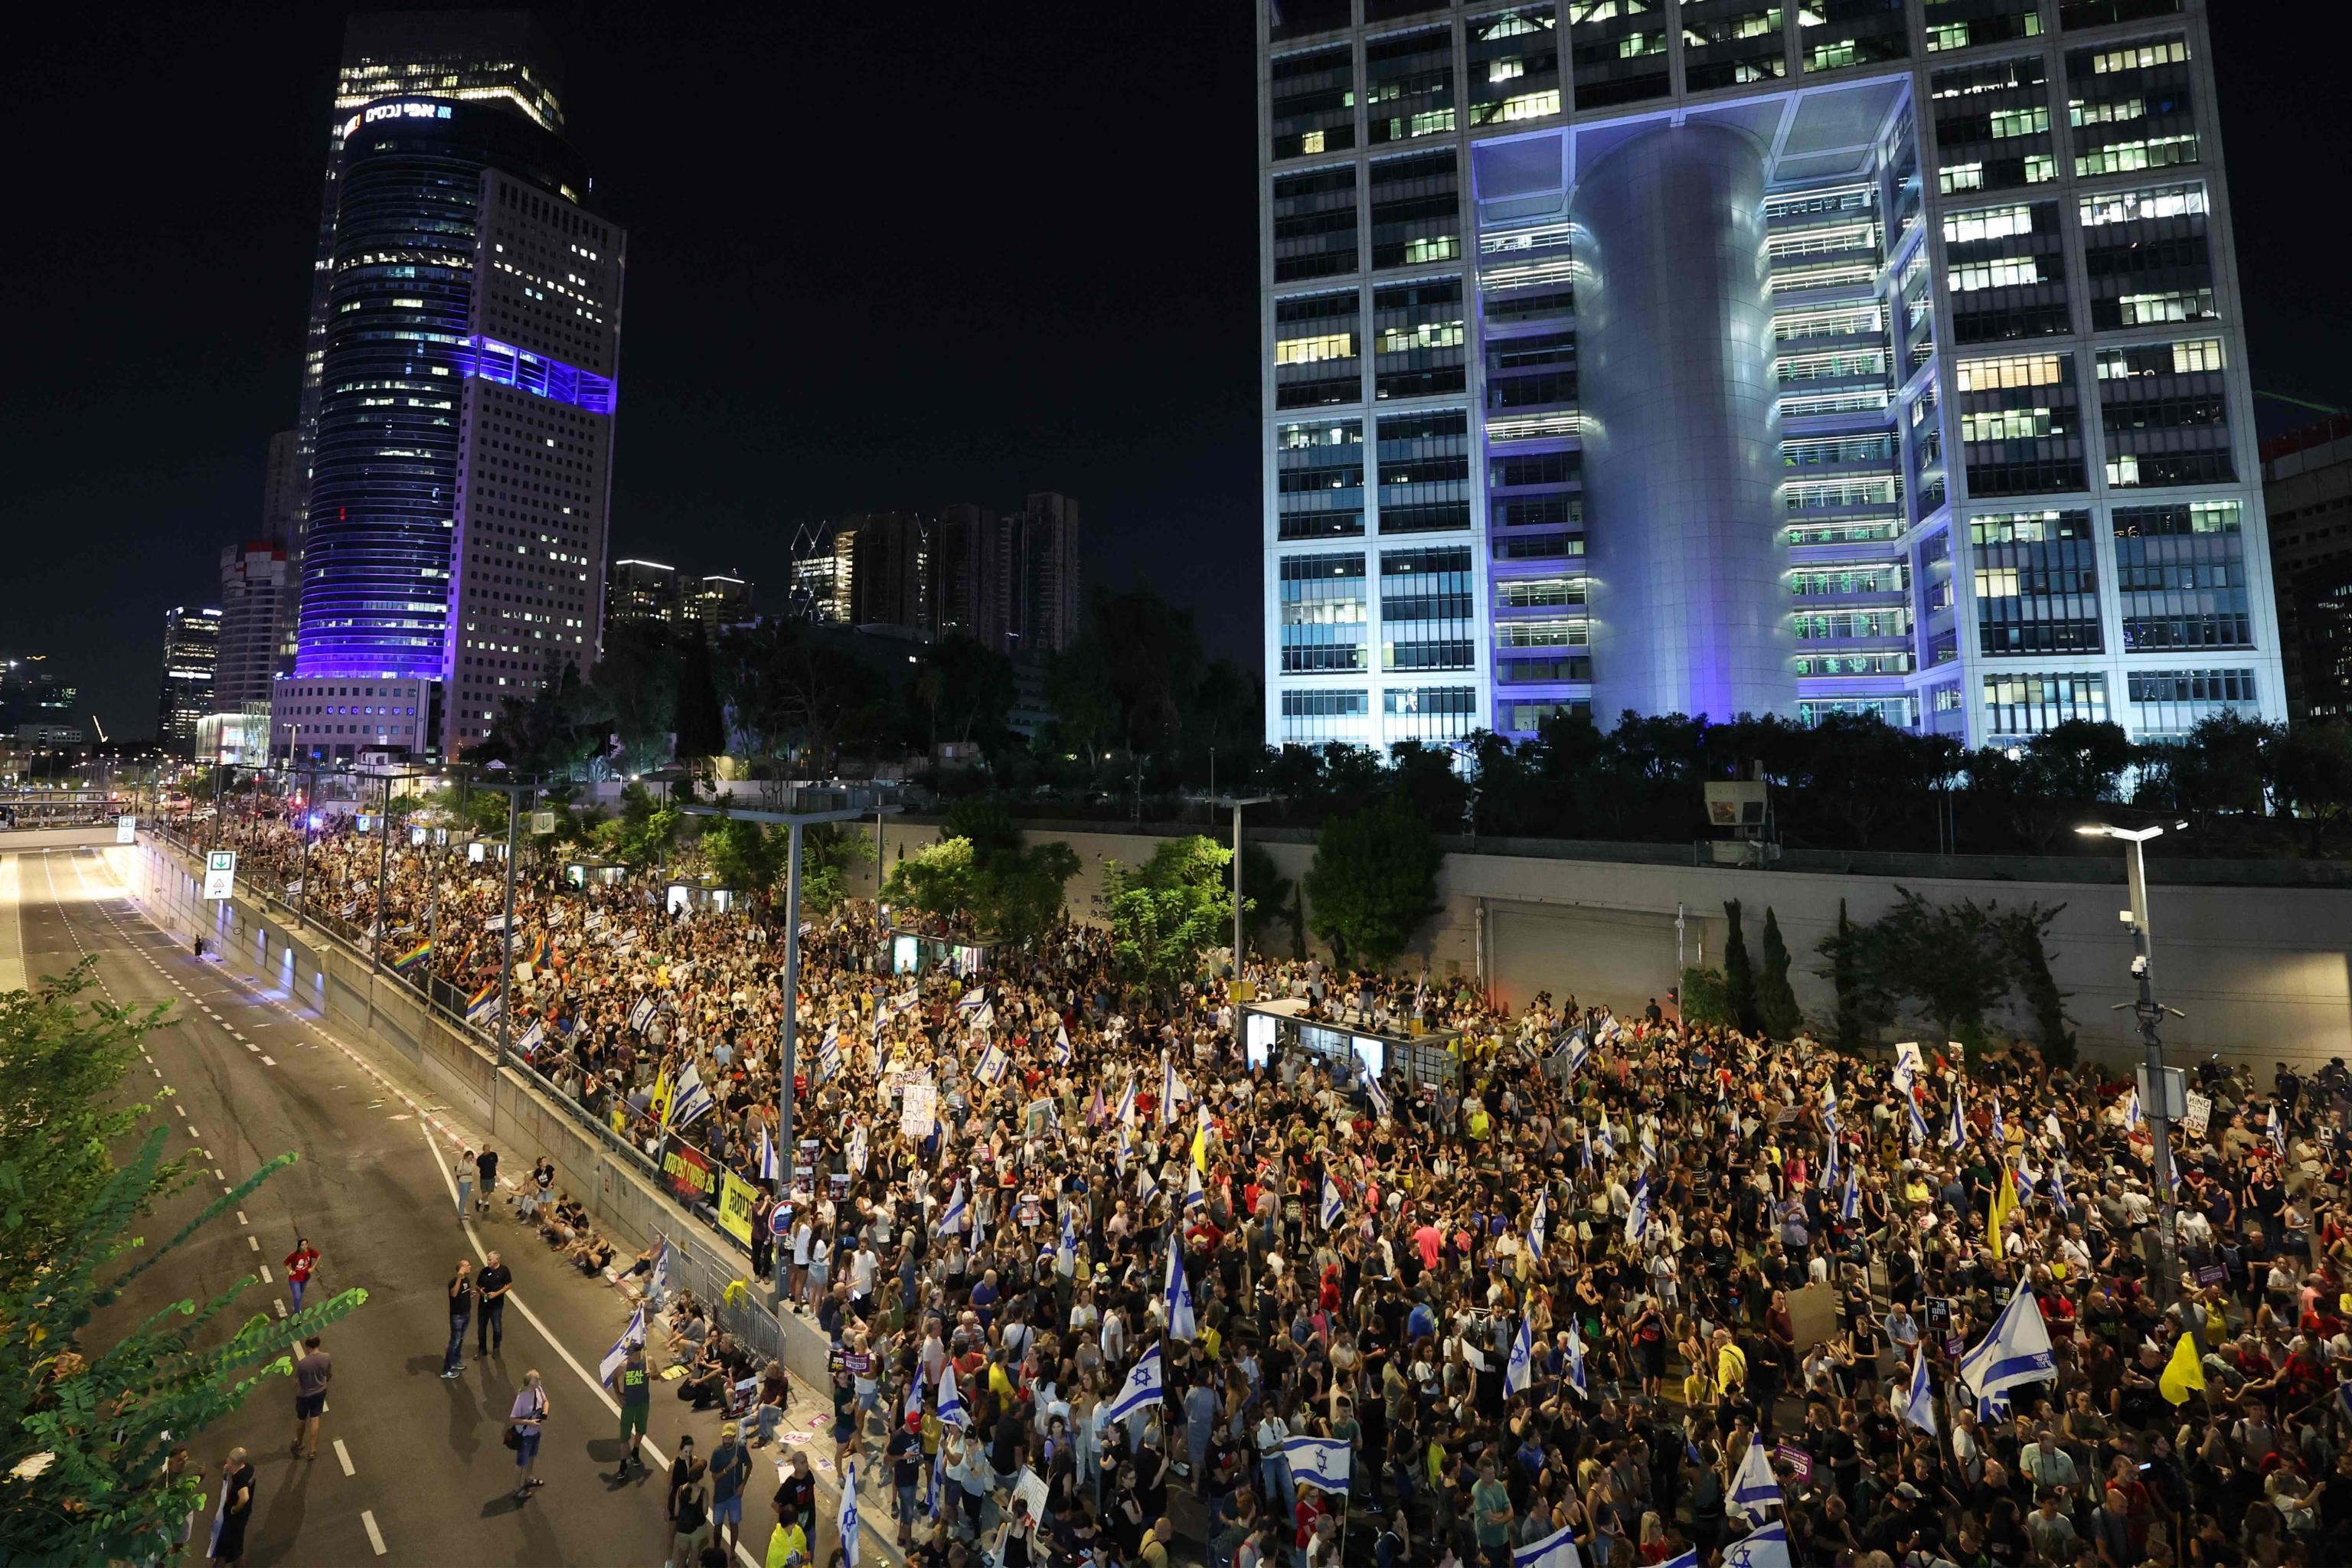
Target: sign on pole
x,y
220,874
542,822
126,829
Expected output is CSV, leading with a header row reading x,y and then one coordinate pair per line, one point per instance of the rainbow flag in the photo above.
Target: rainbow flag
x,y
412,955
538,953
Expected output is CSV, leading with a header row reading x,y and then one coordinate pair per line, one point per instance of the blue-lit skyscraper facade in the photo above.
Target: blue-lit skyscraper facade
x,y
1709,356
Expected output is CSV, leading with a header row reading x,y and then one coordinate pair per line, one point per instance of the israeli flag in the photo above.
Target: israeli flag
x,y
689,1101
1194,1198
1576,1363
1608,1144
953,1411
1918,1123
985,1019
2000,1129
1767,1548
1829,1167
1323,1462
2016,1351
1557,1550
828,1055
1520,1369
1850,1209
1991,1407
1166,1087
2277,1128
1587,1146
1373,1091
1181,1324
1142,1388
770,1167
1637,1218
1755,1488
1914,1402
846,1521
634,1334
1066,1256
661,1269
1908,1062
857,1151
1127,1104
1580,1052
640,1015
1536,1225
973,1000
992,1064
1958,1136
957,1214
2132,1121
532,1038
2058,1185
1062,1052
914,1397
1333,1206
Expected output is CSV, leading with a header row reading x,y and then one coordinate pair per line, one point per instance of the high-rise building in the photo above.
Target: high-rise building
x,y
891,569
967,563
455,529
721,602
638,591
191,653
1039,582
2307,491
1867,357
254,602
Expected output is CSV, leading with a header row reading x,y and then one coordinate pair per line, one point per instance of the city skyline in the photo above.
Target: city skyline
x,y
1167,469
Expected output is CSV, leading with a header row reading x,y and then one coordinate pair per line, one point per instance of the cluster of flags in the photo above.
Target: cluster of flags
x,y
689,1101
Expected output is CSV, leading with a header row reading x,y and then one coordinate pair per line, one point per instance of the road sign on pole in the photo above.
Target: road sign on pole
x,y
126,829
220,874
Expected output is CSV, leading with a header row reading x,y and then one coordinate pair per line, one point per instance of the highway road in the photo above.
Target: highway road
x,y
411,1467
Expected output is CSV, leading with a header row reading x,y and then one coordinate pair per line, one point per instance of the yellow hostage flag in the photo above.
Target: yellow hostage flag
x,y
2004,1202
2184,1373
659,1103
1201,1144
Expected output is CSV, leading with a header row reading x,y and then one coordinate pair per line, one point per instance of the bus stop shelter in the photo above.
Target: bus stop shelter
x,y
1414,1061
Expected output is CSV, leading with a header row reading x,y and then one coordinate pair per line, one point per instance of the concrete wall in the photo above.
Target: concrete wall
x,y
2263,973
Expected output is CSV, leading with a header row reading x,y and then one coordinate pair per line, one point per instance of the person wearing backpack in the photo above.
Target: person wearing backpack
x,y
525,1422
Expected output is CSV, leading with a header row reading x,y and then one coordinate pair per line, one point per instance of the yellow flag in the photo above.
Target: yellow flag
x,y
661,1100
2184,1373
1201,1146
2004,1202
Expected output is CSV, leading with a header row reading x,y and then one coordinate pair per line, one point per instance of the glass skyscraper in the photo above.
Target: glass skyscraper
x,y
1857,356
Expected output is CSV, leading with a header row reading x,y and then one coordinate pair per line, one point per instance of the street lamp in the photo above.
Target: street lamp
x,y
1237,801
2151,1014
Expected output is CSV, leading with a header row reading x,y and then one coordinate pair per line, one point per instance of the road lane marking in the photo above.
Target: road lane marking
x,y
279,1305
193,1133
254,1242
343,1455
266,1279
219,1174
241,1219
268,1063
375,1536
184,1110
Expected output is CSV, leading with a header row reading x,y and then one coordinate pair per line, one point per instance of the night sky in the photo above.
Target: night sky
x,y
880,256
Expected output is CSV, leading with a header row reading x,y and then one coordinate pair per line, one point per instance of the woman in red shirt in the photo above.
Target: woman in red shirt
x,y
298,1265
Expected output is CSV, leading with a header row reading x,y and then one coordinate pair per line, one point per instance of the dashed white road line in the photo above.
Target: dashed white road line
x,y
343,1456
266,1279
279,1305
254,1242
193,1133
267,1062
241,1219
375,1536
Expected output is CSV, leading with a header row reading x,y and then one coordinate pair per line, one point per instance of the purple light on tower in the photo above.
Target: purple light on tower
x,y
548,378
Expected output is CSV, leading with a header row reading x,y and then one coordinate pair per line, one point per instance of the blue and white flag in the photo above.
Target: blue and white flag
x,y
2344,1400
1637,1218
1755,1487
1850,1208
770,1167
634,1334
914,1397
689,1101
1062,1052
1608,1143
1829,1167
1142,1388
2016,1351
1588,1145
993,1063
1958,1136
1914,1400
1557,1550
2058,1185
641,1014
828,1055
1066,1256
1687,1560
1373,1089
1324,1462
661,1268
1181,1324
1146,1189
953,1411
2277,1128
985,1019
1127,1104
1194,1198
1536,1225
1519,1370
1580,1052
2132,1121
957,1214
1918,1123
1576,1363
531,1039
846,1521
1767,1548
973,1000
1167,1089
1999,1127
856,1153
486,1008
1333,1204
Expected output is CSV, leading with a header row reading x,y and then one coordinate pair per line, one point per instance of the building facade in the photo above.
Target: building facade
x,y
641,590
456,528
2307,491
1878,357
191,656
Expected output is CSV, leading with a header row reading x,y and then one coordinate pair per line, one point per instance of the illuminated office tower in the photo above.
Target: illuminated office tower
x,y
453,554
1853,357
191,656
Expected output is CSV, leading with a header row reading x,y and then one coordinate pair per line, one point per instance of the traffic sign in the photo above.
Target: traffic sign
x,y
126,829
220,874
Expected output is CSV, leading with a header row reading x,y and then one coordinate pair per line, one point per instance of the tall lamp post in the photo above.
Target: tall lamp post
x,y
2151,1014
1237,801
795,822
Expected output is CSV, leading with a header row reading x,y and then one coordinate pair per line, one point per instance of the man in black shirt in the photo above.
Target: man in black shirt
x,y
487,1162
461,1312
490,1330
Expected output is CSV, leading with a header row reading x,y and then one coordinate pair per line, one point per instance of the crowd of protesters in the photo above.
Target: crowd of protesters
x,y
1574,1288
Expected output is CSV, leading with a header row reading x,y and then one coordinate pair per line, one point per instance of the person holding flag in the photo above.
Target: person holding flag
x,y
1181,1324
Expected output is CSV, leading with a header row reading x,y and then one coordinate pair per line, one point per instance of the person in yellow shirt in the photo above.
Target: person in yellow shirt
x,y
1731,1367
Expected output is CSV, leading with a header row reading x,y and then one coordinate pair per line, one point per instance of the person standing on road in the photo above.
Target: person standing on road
x,y
690,1518
235,1509
634,1386
461,1312
463,1171
527,1420
487,1163
298,1266
540,1191
312,1373
731,1470
493,1283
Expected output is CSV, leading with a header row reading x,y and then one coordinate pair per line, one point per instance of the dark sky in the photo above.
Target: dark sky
x,y
879,256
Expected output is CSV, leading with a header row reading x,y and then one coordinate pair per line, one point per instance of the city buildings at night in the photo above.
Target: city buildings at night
x,y
2307,491
1865,358
453,551
649,590
1011,581
191,655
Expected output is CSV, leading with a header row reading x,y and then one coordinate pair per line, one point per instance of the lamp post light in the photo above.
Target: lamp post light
x,y
1237,801
2150,1014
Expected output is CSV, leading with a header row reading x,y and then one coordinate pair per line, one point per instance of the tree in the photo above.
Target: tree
x,y
2029,954
641,837
1952,960
746,855
637,677
2311,773
1860,1007
1167,913
1022,893
1706,1000
1776,999
1740,973
701,722
1373,882
962,692
1266,893
938,879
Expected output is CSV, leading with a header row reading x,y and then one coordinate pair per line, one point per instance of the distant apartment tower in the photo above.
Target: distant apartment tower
x,y
259,606
1041,590
1865,357
891,569
456,527
640,591
721,602
2307,491
191,656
